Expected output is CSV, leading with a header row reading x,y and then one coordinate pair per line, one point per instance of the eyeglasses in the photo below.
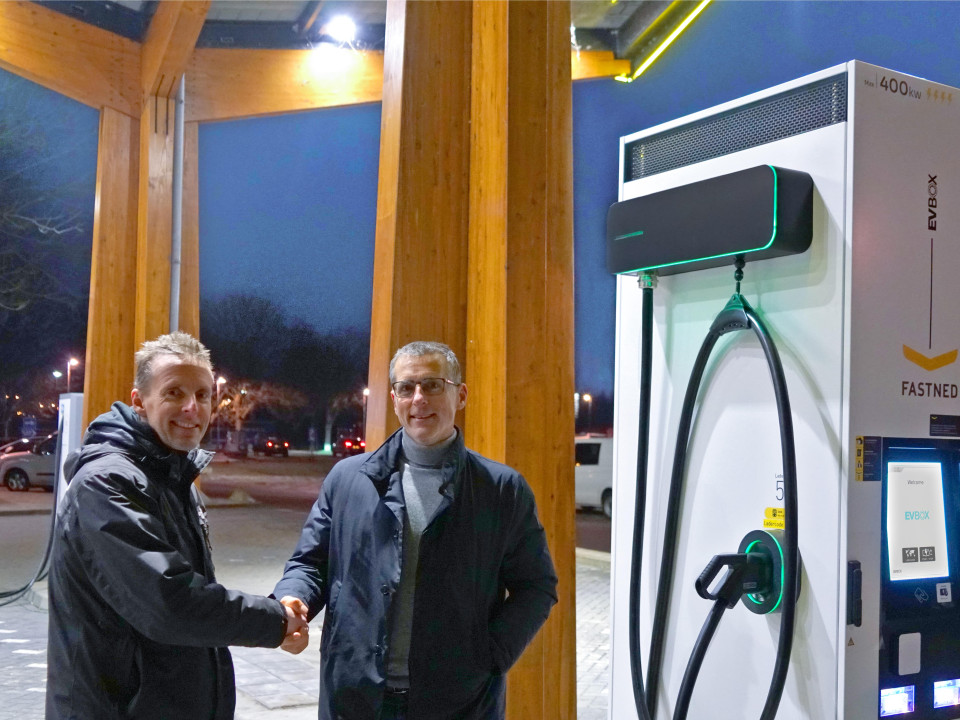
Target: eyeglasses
x,y
428,386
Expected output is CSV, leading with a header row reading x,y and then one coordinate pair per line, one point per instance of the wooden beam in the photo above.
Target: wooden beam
x,y
538,392
85,63
487,280
190,234
230,84
589,64
169,43
420,258
108,374
506,304
308,17
101,69
154,219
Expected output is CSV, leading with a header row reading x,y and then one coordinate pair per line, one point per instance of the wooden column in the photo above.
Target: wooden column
x,y
420,258
108,368
487,265
487,277
190,233
165,53
154,219
538,393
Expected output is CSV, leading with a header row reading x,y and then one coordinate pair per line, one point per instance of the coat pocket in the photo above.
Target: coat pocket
x,y
330,621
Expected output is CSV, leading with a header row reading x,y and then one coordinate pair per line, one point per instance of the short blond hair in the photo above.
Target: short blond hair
x,y
177,344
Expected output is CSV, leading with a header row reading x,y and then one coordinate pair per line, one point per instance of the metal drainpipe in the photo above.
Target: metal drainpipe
x,y
177,225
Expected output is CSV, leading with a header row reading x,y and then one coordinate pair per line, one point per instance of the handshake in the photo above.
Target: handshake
x,y
298,631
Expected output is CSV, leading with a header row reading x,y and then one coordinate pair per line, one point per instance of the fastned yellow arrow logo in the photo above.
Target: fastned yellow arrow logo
x,y
929,363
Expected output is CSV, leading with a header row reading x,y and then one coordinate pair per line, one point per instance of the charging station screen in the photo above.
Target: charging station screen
x,y
916,523
946,693
897,701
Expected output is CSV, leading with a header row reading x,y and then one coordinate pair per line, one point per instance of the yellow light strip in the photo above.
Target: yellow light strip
x,y
665,44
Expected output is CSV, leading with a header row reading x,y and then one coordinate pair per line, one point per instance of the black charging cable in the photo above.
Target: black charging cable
x,y
737,315
747,572
8,597
647,283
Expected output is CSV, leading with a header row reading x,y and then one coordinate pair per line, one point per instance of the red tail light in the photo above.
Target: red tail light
x,y
269,443
347,443
362,444
286,444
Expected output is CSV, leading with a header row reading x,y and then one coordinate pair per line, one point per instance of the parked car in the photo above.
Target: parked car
x,y
23,470
22,444
349,444
593,475
271,445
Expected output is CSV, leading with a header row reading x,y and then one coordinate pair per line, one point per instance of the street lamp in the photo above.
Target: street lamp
x,y
70,365
366,395
588,399
220,381
57,374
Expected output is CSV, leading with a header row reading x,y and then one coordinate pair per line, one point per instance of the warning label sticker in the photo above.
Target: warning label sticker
x,y
774,518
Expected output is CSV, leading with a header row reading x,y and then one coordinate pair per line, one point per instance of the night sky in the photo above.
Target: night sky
x,y
48,156
288,211
288,203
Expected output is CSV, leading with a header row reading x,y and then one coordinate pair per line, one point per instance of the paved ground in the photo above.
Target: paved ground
x,y
251,543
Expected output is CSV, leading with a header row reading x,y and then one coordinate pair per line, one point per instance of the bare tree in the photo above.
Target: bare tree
x,y
240,400
33,395
43,218
250,337
247,335
47,185
340,403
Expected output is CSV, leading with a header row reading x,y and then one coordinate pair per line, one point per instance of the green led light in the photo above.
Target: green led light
x,y
628,235
773,235
782,577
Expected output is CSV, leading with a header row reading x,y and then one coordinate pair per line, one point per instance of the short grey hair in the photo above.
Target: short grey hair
x,y
420,348
177,344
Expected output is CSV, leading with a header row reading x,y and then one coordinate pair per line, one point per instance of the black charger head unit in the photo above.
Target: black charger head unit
x,y
762,212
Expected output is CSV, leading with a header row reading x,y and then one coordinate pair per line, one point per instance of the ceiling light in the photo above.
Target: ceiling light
x,y
342,29
665,44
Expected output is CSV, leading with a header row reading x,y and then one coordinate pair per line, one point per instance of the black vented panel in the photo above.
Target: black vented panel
x,y
780,116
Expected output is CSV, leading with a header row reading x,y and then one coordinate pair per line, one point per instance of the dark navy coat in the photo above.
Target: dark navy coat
x,y
138,624
484,542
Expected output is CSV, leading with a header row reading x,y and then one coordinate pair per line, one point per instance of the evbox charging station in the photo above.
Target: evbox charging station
x,y
865,314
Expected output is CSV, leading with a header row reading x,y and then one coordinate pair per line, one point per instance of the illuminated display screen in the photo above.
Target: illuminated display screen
x,y
916,524
946,693
896,701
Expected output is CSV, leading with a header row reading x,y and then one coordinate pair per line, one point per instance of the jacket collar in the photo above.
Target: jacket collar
x,y
385,461
121,431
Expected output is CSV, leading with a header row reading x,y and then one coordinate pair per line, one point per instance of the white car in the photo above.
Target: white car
x,y
593,476
20,471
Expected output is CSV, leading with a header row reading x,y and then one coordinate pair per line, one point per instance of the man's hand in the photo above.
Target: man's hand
x,y
298,631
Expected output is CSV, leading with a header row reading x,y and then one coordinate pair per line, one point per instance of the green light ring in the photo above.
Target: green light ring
x,y
773,235
782,575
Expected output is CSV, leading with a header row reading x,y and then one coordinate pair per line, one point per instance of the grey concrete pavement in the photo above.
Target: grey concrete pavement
x,y
251,543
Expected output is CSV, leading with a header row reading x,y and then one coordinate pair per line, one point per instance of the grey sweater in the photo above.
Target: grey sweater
x,y
422,476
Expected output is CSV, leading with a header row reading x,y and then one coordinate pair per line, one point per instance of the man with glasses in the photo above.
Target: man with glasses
x,y
430,561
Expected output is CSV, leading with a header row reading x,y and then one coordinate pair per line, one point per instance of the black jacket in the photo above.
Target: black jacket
x,y
484,540
138,624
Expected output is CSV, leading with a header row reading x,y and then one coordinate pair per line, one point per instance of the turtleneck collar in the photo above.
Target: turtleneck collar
x,y
426,455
